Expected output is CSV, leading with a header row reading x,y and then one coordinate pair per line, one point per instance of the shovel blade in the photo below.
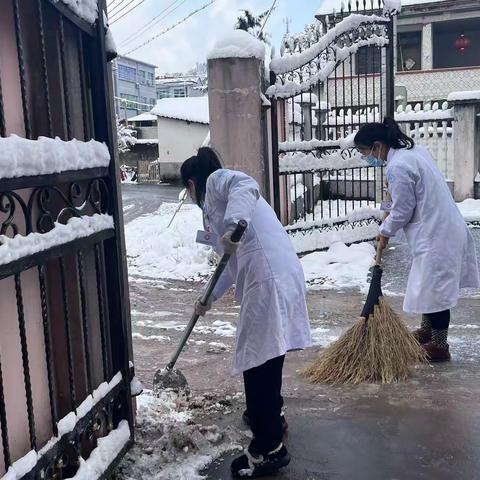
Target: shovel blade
x,y
170,381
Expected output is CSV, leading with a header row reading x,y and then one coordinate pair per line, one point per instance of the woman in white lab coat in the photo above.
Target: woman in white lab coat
x,y
444,259
270,286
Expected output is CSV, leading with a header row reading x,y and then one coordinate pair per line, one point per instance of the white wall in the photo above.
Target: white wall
x,y
177,141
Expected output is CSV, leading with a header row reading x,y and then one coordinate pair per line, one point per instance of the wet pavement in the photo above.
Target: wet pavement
x,y
426,428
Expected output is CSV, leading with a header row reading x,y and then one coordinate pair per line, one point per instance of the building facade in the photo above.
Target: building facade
x,y
437,52
134,87
180,87
438,49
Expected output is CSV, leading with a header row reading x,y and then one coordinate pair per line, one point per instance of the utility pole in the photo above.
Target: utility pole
x,y
287,21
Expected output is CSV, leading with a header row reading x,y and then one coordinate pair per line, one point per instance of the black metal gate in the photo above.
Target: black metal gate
x,y
330,80
76,286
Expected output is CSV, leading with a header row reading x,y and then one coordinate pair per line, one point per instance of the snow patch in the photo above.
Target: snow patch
x,y
20,246
153,251
340,266
238,44
470,209
307,162
20,157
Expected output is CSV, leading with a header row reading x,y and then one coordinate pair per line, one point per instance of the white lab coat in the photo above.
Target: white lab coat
x,y
268,277
444,258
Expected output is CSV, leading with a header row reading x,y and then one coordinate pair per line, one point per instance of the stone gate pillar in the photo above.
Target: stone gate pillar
x,y
235,79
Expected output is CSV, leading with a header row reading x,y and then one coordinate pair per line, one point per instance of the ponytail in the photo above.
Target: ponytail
x,y
387,132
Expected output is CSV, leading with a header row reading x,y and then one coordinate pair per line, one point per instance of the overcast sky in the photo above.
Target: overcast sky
x,y
179,49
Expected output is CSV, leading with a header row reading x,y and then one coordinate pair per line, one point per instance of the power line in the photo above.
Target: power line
x,y
127,12
267,17
152,22
114,14
109,5
115,7
171,27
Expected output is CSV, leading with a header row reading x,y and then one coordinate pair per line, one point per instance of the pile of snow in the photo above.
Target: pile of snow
x,y
20,157
340,266
20,246
189,109
86,9
470,209
467,95
238,44
169,444
153,251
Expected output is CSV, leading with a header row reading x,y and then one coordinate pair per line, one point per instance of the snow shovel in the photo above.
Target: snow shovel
x,y
170,378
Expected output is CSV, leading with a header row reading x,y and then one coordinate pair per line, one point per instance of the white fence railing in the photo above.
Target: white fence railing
x,y
432,128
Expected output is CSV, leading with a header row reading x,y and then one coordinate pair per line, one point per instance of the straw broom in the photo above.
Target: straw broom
x,y
377,348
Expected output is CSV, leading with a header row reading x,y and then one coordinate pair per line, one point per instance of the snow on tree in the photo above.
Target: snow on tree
x,y
252,24
126,137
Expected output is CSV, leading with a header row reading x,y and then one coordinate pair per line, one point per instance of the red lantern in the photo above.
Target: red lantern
x,y
462,43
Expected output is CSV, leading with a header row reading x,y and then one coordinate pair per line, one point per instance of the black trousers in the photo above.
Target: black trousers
x,y
439,320
263,386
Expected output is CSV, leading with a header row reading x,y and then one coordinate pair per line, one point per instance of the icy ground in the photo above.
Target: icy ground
x,y
327,424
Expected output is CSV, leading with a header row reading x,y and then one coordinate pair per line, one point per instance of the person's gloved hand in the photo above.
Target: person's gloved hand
x,y
229,247
201,310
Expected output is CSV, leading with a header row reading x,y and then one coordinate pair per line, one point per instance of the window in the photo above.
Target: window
x,y
132,101
162,94
178,92
448,40
127,73
409,54
368,60
142,77
153,101
150,78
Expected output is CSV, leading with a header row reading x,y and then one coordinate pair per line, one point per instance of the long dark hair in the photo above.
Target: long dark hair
x,y
198,168
387,132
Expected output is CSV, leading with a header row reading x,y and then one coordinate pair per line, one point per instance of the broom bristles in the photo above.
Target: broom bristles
x,y
381,349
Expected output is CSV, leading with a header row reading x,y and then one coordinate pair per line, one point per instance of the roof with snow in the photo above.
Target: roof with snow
x,y
188,109
329,6
143,117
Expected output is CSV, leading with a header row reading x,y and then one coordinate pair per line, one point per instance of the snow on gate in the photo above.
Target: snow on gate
x,y
330,80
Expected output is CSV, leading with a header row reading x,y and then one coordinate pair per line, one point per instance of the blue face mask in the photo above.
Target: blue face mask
x,y
373,161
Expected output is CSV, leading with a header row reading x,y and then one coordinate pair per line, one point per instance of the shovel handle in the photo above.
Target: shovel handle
x,y
236,237
378,258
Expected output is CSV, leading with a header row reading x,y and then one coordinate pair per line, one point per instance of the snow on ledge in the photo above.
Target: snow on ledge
x,y
20,157
108,449
467,95
20,246
108,445
238,44
86,9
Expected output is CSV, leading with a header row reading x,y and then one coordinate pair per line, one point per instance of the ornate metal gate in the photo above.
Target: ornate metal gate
x,y
330,80
64,335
